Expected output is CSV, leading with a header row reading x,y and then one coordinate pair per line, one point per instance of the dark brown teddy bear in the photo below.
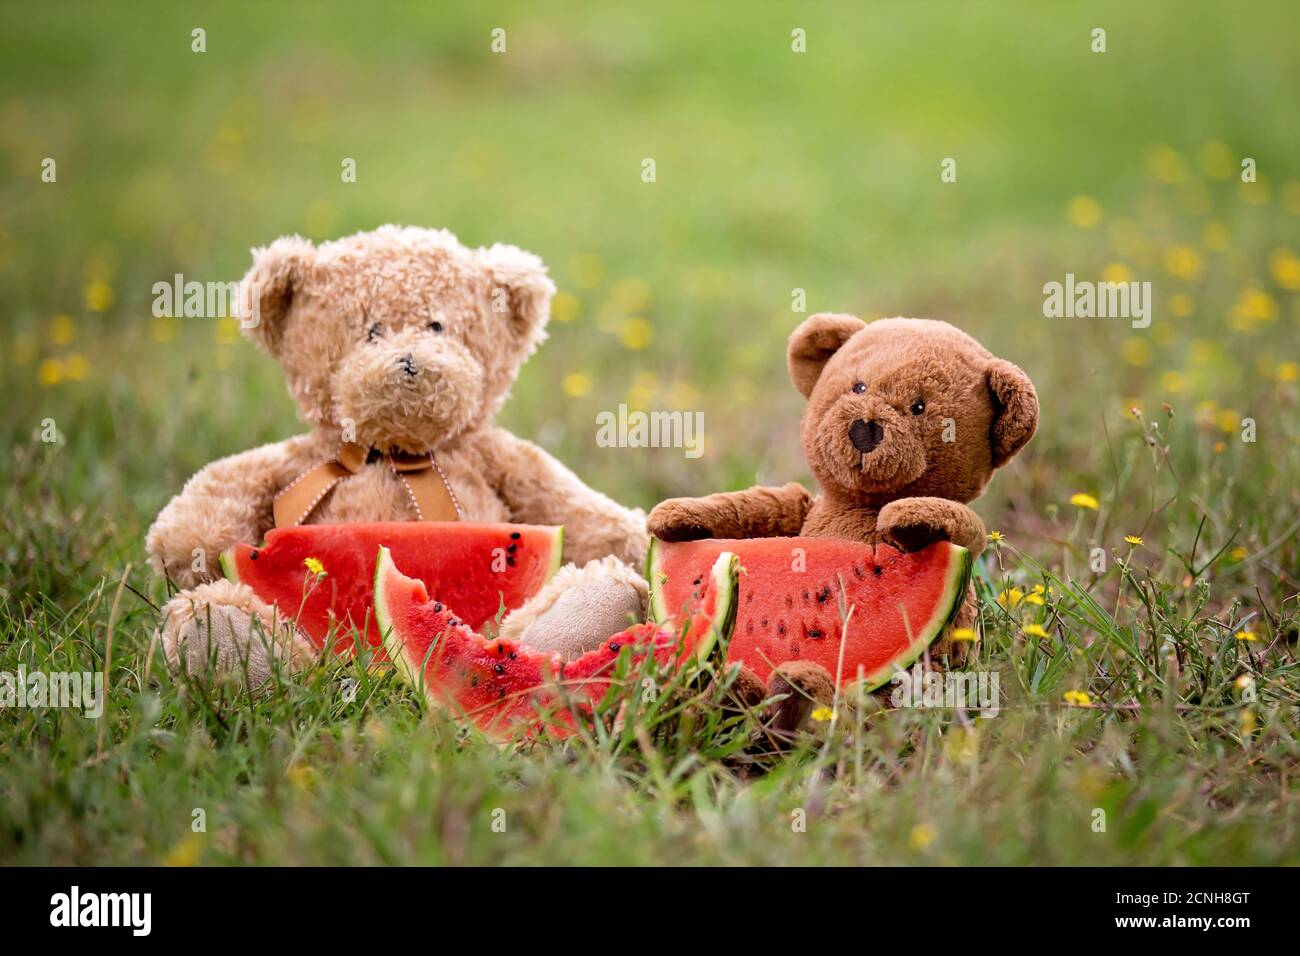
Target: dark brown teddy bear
x,y
906,421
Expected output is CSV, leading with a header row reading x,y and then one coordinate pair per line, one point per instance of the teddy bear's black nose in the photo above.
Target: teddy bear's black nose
x,y
407,362
865,435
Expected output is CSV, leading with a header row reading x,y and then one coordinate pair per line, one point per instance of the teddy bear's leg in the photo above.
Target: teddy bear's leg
x,y
224,629
805,685
579,607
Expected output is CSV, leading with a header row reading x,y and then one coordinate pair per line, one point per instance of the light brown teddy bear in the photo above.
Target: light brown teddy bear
x,y
906,421
398,346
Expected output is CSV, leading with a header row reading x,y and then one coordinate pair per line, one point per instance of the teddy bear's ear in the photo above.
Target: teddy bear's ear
x,y
1015,410
519,289
267,291
814,342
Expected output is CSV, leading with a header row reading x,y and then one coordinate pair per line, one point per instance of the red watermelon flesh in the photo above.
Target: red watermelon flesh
x,y
503,686
474,567
788,605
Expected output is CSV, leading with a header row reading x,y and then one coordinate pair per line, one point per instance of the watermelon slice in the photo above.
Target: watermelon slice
x,y
901,602
475,567
502,685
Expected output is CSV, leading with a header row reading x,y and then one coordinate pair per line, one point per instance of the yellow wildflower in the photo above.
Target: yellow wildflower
x,y
1082,499
1077,698
576,384
1249,636
1248,721
963,634
75,367
1181,304
62,329
1010,597
49,372
1035,630
1288,371
1133,539
99,296
823,714
1183,262
1166,164
636,334
1083,212
995,536
314,565
565,307
1238,553
1035,599
1285,267
922,836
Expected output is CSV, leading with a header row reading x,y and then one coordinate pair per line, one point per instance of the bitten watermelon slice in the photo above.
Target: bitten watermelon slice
x,y
475,567
503,686
901,602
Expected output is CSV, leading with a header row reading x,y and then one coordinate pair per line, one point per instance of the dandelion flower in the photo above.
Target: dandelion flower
x,y
823,714
1083,212
314,565
1288,371
922,836
963,634
1238,553
1077,698
636,333
995,536
576,385
49,372
565,307
1035,630
1082,499
1249,636
1133,539
1010,597
1035,599
99,296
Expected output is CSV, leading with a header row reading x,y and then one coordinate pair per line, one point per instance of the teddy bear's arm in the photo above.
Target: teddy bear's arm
x,y
540,490
757,512
225,502
910,524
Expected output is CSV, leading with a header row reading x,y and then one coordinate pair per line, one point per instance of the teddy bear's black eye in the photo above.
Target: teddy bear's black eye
x,y
859,387
372,333
918,407
435,326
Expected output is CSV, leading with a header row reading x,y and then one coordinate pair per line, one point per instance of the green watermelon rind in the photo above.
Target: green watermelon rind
x,y
394,646
945,609
725,577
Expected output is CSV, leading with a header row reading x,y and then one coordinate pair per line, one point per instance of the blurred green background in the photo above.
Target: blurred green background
x,y
775,171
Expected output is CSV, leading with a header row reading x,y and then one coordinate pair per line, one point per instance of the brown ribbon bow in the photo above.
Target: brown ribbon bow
x,y
420,476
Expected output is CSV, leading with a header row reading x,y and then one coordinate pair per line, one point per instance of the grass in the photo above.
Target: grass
x,y
775,171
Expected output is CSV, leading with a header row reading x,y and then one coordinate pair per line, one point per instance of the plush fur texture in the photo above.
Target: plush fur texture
x,y
905,423
400,339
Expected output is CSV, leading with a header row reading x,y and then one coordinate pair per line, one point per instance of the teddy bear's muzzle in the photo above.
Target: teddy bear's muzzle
x,y
865,436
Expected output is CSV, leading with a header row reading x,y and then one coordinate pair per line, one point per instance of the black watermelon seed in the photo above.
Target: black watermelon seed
x,y
814,633
253,556
613,647
501,694
473,680
807,596
437,608
513,655
514,535
780,628
823,595
696,581
510,561
454,622
501,648
877,570
499,667
857,571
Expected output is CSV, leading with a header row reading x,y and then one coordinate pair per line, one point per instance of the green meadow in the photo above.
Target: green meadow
x,y
1139,603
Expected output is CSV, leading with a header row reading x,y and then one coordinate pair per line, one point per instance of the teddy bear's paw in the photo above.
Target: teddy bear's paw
x,y
907,526
803,687
579,608
222,630
677,519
